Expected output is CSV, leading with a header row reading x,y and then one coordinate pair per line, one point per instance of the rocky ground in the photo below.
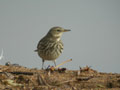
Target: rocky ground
x,y
15,77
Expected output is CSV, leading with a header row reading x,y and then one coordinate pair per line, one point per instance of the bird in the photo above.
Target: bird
x,y
50,47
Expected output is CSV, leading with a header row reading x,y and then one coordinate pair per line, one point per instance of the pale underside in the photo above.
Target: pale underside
x,y
50,50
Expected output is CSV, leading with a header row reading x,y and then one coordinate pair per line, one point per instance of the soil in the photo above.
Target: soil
x,y
15,77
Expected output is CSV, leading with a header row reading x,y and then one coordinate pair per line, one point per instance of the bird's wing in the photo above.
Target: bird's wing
x,y
41,43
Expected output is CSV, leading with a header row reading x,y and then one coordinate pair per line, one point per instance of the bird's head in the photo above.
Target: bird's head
x,y
57,31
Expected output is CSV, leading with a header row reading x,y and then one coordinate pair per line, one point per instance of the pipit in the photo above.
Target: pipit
x,y
50,46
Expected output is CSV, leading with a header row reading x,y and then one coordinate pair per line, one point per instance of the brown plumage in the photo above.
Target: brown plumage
x,y
50,47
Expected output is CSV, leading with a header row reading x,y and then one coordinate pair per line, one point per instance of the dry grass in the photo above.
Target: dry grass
x,y
21,78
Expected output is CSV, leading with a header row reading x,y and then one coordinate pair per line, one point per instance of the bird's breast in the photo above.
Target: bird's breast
x,y
50,50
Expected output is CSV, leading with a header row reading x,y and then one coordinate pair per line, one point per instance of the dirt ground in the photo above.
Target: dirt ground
x,y
15,77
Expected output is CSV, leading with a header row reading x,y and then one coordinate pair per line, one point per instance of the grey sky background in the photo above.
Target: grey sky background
x,y
93,41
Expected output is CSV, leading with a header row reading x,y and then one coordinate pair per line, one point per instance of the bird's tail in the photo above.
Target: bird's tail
x,y
35,50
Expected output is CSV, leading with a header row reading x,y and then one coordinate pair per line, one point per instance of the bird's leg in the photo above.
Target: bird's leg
x,y
42,63
55,62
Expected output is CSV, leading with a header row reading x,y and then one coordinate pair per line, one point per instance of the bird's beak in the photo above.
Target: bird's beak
x,y
66,30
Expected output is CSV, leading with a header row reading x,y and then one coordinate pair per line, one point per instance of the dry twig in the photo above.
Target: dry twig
x,y
63,63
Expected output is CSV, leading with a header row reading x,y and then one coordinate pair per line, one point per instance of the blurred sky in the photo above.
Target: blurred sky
x,y
93,41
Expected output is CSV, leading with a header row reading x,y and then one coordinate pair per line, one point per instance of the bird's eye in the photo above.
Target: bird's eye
x,y
58,30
